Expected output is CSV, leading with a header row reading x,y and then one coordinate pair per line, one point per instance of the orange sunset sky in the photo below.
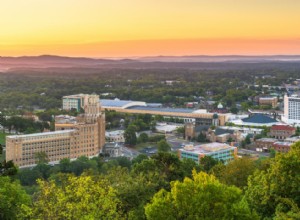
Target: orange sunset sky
x,y
120,28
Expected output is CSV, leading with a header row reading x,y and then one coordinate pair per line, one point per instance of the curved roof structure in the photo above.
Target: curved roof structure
x,y
259,119
120,103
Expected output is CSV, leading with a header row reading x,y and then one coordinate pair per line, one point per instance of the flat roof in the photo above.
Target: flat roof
x,y
282,143
114,102
206,148
267,139
74,96
40,134
240,128
147,108
293,139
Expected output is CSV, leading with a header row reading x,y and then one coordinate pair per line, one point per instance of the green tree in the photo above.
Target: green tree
x,y
65,165
14,200
207,163
139,158
201,137
143,138
237,171
130,135
163,146
212,199
8,168
247,139
41,158
267,188
133,190
76,198
163,167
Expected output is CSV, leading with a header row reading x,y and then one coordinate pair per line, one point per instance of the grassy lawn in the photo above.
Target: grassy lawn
x,y
144,145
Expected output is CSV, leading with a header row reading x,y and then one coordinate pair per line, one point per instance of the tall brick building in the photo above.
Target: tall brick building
x,y
72,138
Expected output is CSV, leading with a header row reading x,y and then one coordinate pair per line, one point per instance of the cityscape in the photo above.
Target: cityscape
x,y
147,110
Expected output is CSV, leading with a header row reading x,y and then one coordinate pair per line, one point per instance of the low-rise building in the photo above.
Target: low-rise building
x,y
281,146
192,131
292,139
282,132
215,150
268,101
244,130
222,135
265,144
166,128
115,136
112,150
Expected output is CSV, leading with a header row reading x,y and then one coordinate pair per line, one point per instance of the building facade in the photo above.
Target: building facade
x,y
74,102
217,151
84,136
292,109
265,144
268,101
115,136
282,147
282,132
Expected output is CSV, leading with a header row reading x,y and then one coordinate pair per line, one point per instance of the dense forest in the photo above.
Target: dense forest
x,y
44,88
160,187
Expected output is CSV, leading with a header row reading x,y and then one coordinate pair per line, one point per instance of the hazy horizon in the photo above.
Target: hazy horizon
x,y
133,28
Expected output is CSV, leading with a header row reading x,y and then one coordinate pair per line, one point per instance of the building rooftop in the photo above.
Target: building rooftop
x,y
120,103
240,128
282,143
40,134
267,98
283,127
200,128
259,119
181,110
206,148
293,139
74,96
65,119
221,131
114,133
267,140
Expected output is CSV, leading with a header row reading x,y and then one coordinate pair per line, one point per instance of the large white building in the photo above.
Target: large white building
x,y
292,109
74,102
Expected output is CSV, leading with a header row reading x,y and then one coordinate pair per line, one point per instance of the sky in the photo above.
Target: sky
x,y
128,28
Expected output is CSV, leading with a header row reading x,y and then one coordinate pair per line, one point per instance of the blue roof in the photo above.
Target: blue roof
x,y
259,119
180,110
114,102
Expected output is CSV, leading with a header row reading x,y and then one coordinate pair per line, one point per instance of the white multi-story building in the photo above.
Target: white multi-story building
x,y
292,109
74,102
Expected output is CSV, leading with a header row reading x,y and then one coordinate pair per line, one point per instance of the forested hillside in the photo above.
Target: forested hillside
x,y
160,187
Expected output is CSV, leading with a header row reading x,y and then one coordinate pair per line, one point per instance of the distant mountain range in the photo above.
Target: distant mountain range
x,y
50,61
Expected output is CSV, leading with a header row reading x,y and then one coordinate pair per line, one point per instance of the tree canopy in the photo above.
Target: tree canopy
x,y
202,197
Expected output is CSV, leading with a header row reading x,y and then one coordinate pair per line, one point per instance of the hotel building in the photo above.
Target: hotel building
x,y
292,109
72,138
